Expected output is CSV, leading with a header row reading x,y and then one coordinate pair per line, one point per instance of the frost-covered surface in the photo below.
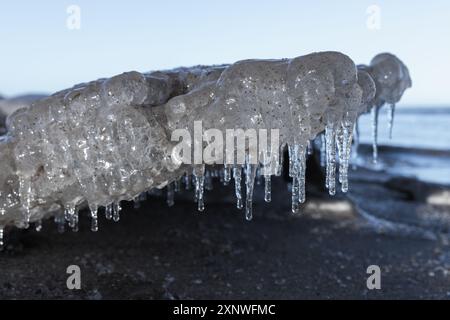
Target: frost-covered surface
x,y
109,140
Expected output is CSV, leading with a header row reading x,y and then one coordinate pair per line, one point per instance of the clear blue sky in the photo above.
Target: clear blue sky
x,y
39,53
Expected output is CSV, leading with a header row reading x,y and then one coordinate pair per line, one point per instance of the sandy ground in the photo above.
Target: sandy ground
x,y
157,252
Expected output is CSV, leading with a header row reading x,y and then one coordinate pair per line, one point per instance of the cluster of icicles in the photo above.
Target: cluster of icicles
x,y
139,102
333,142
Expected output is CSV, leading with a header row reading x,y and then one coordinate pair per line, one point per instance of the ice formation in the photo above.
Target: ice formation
x,y
391,78
109,140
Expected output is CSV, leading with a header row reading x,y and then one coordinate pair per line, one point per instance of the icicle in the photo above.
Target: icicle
x,y
199,176
391,112
343,166
310,148
200,192
116,211
250,174
195,189
375,133
302,174
292,151
267,189
279,161
60,222
75,219
340,149
295,199
297,159
1,237
258,178
237,175
294,192
170,195
267,171
67,214
187,181
177,185
344,142
323,156
38,226
109,209
94,218
330,140
226,174
355,145
71,216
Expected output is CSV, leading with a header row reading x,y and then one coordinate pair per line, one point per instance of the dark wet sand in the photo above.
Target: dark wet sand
x,y
158,252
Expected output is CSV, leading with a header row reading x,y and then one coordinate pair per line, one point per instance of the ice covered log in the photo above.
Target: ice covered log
x,y
109,140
